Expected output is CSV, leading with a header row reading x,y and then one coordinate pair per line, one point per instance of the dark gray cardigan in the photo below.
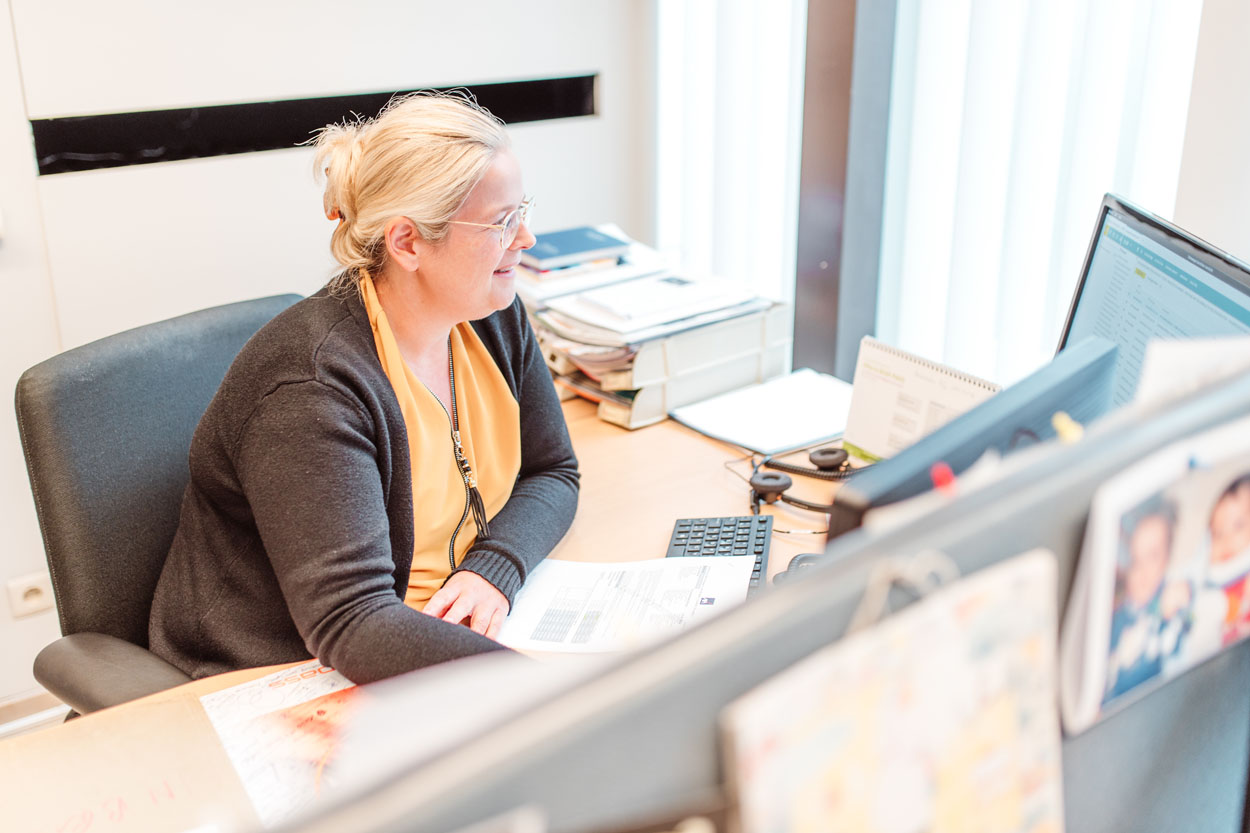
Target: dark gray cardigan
x,y
296,532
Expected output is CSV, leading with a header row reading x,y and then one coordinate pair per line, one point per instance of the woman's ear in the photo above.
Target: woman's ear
x,y
403,243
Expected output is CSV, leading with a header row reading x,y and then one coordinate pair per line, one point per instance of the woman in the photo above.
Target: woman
x,y
376,475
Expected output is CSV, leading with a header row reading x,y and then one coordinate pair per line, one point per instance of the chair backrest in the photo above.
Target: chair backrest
x,y
106,429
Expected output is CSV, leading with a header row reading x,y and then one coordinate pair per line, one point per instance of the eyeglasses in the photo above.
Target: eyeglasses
x,y
511,224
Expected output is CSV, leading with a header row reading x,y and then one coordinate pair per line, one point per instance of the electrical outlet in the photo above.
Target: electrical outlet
x,y
30,594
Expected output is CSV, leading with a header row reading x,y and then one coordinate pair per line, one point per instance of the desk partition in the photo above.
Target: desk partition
x,y
639,742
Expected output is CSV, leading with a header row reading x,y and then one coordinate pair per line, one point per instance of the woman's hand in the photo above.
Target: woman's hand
x,y
467,598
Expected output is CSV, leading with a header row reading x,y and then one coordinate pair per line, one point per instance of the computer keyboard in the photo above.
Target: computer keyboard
x,y
737,535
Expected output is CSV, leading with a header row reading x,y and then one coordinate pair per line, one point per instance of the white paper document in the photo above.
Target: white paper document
x,y
649,301
583,607
282,733
1175,367
779,415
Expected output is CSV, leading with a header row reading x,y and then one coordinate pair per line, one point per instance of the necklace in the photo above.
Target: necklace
x,y
472,497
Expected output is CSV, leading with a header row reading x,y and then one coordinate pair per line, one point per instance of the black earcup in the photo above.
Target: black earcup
x,y
828,458
769,485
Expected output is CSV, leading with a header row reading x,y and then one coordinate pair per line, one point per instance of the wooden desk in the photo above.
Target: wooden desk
x,y
155,763
636,483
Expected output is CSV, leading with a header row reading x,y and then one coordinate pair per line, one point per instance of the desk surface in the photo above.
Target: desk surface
x,y
635,484
119,766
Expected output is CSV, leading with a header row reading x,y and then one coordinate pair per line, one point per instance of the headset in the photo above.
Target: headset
x,y
828,463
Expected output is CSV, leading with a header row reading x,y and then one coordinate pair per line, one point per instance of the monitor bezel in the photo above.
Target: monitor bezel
x,y
1233,270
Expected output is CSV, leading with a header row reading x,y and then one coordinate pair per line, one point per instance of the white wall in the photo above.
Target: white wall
x,y
1213,200
29,334
129,245
126,246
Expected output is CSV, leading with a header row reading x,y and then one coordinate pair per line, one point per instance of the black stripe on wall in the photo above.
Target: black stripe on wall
x,y
84,143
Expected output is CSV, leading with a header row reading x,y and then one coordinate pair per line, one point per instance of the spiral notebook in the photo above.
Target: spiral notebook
x,y
899,397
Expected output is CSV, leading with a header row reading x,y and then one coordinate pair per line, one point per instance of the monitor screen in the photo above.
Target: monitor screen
x,y
1145,279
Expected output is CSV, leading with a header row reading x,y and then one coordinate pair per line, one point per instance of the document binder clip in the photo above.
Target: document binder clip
x,y
921,574
1066,428
943,477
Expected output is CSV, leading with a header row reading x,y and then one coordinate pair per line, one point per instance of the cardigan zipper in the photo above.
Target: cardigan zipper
x,y
472,497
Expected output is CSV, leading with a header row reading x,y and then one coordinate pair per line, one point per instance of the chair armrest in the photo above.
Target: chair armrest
x,y
92,671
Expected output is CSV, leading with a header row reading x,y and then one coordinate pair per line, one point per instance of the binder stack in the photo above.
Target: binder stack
x,y
565,262
621,329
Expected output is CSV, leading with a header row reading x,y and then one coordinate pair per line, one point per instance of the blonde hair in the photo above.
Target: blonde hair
x,y
419,158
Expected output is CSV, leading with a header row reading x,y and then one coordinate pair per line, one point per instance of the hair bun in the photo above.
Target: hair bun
x,y
338,157
419,158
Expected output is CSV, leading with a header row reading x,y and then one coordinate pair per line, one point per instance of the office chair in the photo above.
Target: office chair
x,y
106,429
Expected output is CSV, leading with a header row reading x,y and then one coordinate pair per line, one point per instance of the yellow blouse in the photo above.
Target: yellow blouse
x,y
490,438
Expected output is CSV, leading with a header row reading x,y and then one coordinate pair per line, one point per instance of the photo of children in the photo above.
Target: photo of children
x,y
1228,564
1151,614
1163,578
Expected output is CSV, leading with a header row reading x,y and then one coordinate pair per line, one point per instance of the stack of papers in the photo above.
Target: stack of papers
x,y
640,340
538,286
647,308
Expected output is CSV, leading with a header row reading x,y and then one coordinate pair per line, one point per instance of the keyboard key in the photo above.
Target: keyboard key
x,y
731,536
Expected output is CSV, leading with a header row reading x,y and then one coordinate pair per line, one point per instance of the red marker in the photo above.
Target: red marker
x,y
942,476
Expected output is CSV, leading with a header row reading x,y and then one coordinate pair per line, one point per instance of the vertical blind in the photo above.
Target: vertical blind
x,y
1009,119
729,129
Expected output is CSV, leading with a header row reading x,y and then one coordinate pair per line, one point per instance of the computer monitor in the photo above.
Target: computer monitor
x,y
1077,382
1144,279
